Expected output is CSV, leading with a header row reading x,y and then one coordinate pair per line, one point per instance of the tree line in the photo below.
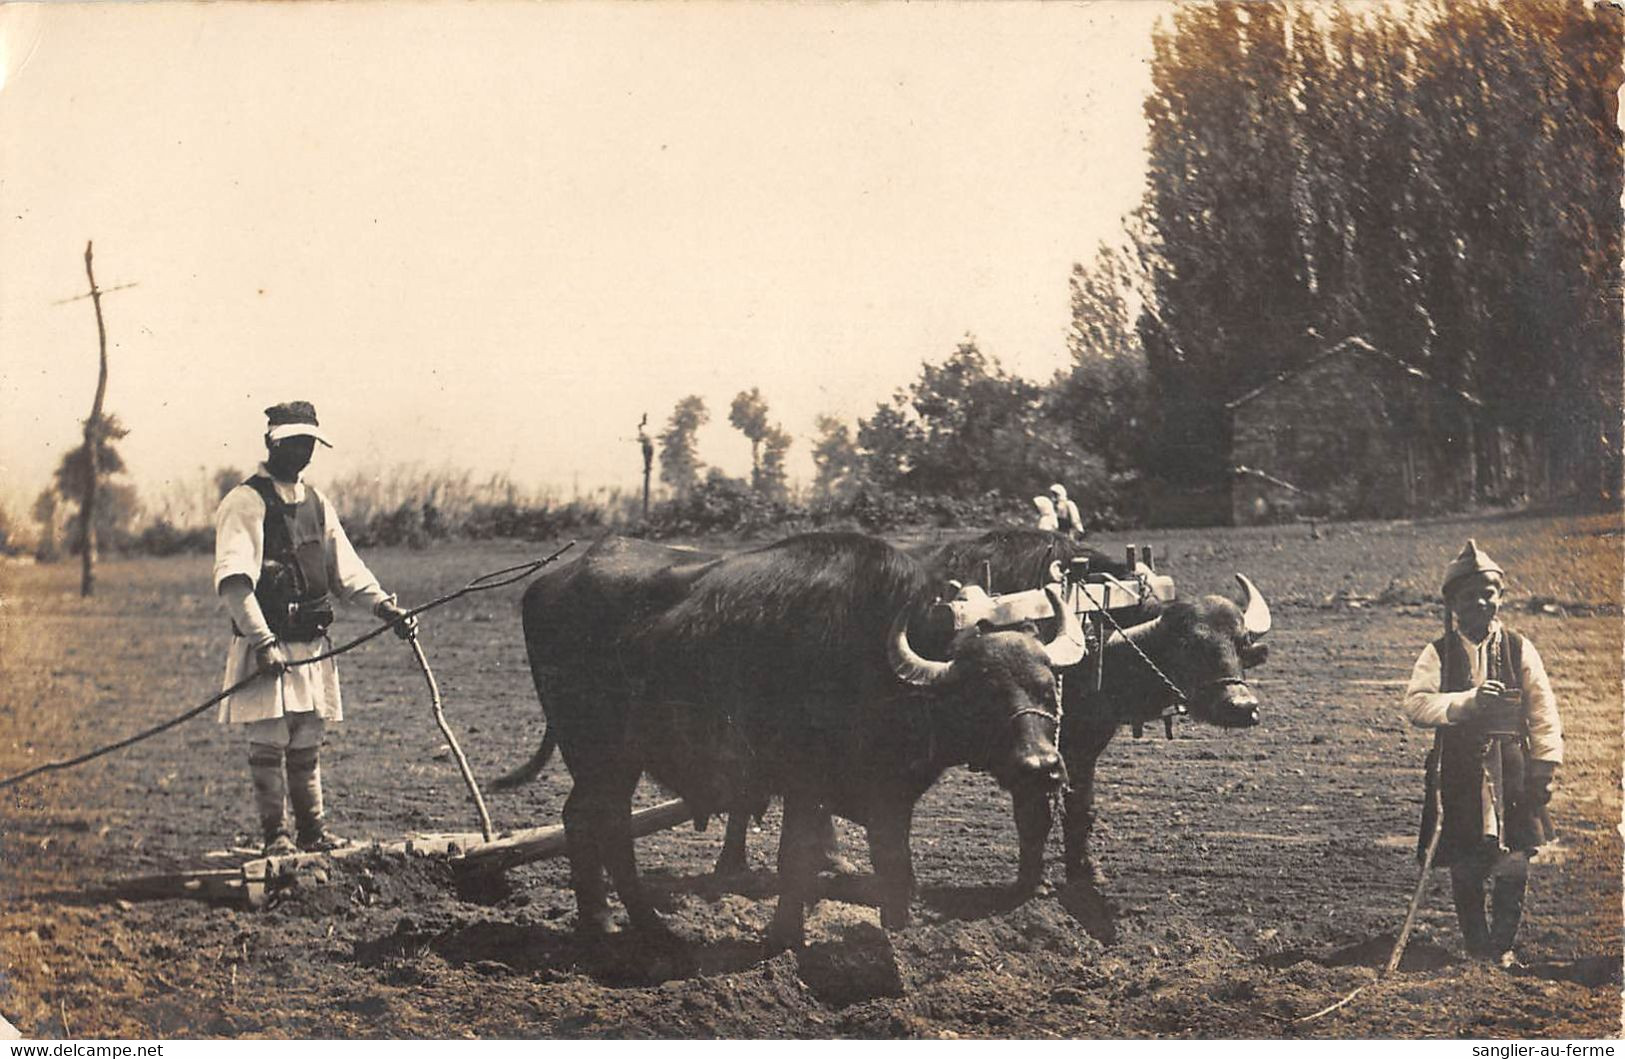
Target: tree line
x,y
1439,180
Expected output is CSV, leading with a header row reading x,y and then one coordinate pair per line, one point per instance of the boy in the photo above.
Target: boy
x,y
1498,741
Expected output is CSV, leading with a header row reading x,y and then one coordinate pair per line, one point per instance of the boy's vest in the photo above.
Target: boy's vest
x,y
1463,755
293,589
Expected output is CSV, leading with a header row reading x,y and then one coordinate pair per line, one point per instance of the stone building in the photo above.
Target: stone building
x,y
1354,433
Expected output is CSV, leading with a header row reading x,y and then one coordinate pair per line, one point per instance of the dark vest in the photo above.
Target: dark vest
x,y
293,589
1463,755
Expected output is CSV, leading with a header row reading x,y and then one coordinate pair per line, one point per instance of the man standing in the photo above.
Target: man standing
x,y
1067,518
280,558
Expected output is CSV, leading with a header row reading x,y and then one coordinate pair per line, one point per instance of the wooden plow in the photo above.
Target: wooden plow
x,y
253,881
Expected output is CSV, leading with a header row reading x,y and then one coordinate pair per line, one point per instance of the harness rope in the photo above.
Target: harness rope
x,y
1179,696
494,579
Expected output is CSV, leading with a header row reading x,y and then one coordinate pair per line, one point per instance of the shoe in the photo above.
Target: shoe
x,y
321,842
280,846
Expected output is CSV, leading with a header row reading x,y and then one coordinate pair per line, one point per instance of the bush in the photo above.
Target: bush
x,y
722,505
162,538
531,523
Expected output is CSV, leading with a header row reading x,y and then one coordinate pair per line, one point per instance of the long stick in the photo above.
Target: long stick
x,y
1416,898
451,740
1437,799
1435,784
1427,861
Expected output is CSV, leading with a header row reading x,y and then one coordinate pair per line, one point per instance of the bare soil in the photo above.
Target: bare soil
x,y
1256,877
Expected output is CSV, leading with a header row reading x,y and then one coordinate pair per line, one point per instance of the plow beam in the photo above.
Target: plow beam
x,y
256,879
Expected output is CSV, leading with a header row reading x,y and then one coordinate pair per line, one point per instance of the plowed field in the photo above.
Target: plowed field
x,y
1255,878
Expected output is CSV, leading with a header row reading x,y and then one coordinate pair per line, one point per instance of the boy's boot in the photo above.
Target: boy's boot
x,y
305,791
1467,890
1506,911
270,796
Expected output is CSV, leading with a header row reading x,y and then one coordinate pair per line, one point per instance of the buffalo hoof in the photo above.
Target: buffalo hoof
x,y
835,864
652,928
596,925
1088,873
728,867
1025,888
894,918
782,936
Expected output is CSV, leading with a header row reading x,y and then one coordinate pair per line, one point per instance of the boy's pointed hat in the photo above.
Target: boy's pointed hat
x,y
1472,560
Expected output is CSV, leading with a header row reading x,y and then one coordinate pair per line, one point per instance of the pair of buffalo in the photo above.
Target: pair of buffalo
x,y
811,670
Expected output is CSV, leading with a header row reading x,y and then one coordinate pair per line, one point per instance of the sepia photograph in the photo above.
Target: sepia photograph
x,y
596,520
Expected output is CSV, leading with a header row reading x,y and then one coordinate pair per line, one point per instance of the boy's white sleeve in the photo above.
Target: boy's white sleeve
x,y
1425,705
1540,707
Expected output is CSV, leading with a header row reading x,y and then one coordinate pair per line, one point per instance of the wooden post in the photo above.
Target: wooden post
x,y
1475,487
648,446
1410,477
93,431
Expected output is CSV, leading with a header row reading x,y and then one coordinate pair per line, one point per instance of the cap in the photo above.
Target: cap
x,y
1472,560
1058,491
291,420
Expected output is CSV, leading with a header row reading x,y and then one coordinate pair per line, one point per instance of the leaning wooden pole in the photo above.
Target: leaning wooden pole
x,y
439,712
93,432
1432,847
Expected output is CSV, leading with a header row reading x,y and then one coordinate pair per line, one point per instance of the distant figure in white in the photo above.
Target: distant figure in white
x,y
1056,512
1046,513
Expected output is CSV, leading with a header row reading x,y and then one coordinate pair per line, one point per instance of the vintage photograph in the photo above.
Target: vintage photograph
x,y
736,520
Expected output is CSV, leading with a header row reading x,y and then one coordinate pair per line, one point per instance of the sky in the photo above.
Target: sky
x,y
491,236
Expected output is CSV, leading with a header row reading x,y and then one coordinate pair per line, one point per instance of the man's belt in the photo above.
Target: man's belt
x,y
302,621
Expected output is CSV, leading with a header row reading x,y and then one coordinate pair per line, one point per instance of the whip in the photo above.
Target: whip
x,y
494,579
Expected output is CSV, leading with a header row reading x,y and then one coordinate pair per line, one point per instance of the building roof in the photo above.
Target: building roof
x,y
1361,346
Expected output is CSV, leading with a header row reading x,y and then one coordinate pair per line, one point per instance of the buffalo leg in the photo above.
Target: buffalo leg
x,y
893,862
829,850
1034,817
798,871
581,827
732,859
1082,752
620,859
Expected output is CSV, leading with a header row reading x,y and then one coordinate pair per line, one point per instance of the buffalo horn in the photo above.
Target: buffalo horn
x,y
1255,613
1134,633
909,666
1067,647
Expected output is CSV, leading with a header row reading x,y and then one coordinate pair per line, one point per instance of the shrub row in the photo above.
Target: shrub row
x,y
716,506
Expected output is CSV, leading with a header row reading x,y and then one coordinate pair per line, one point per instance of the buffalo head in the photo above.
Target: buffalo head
x,y
999,686
1203,648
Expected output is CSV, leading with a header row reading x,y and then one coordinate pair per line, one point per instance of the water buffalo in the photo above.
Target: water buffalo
x,y
806,670
1202,647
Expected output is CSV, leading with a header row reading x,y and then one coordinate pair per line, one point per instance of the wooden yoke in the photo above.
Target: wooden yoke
x,y
1086,593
